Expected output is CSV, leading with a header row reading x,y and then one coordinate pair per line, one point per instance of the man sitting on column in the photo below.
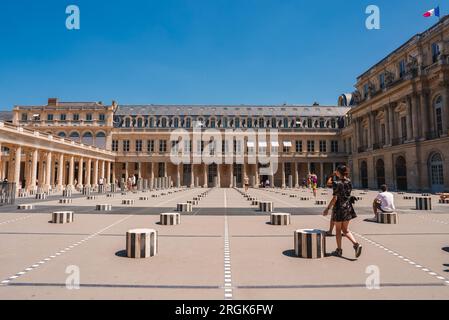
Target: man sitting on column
x,y
383,202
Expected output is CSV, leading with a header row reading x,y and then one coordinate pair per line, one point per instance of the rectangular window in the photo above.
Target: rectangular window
x,y
115,145
365,91
150,146
24,117
402,69
89,117
187,146
404,127
102,117
334,146
323,146
439,118
382,81
49,117
382,132
138,145
63,117
125,145
299,146
163,146
435,52
76,117
310,146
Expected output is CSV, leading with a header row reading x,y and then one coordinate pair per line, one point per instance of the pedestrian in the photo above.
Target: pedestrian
x,y
246,182
343,211
314,180
383,202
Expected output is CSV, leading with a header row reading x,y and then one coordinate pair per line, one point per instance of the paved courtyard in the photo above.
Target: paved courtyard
x,y
412,257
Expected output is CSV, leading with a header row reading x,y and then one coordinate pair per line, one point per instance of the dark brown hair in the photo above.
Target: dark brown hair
x,y
343,170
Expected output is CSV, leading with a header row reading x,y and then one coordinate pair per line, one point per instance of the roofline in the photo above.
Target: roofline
x,y
416,36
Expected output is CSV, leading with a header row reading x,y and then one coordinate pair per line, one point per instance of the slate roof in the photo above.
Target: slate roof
x,y
242,110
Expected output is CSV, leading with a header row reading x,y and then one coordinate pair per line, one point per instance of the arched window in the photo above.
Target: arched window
x,y
75,136
100,140
436,172
285,122
139,123
237,123
164,122
261,123
151,123
380,172
176,122
273,122
401,174
127,123
62,134
439,114
88,138
188,123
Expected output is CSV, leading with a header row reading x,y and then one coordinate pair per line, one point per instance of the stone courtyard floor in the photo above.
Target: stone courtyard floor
x,y
412,257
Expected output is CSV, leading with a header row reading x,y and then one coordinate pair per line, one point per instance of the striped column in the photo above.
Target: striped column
x,y
103,207
423,203
170,219
266,206
310,244
387,218
280,219
141,243
62,217
184,207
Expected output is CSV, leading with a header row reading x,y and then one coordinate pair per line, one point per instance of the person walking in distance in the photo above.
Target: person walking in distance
x,y
343,211
246,183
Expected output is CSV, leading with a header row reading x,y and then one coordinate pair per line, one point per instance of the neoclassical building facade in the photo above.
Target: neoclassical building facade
x,y
399,124
394,130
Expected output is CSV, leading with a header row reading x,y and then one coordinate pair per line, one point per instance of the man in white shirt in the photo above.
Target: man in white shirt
x,y
383,202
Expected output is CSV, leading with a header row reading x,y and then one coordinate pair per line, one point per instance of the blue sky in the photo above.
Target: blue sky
x,y
196,51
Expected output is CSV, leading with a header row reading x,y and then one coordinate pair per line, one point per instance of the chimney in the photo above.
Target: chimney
x,y
53,102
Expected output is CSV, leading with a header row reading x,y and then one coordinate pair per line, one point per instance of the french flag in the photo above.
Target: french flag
x,y
435,12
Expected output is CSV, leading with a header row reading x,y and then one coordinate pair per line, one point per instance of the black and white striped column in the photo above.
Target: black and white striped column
x,y
62,217
423,203
310,243
280,219
103,207
41,196
67,193
387,218
141,243
128,202
170,219
184,207
86,191
266,206
25,207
